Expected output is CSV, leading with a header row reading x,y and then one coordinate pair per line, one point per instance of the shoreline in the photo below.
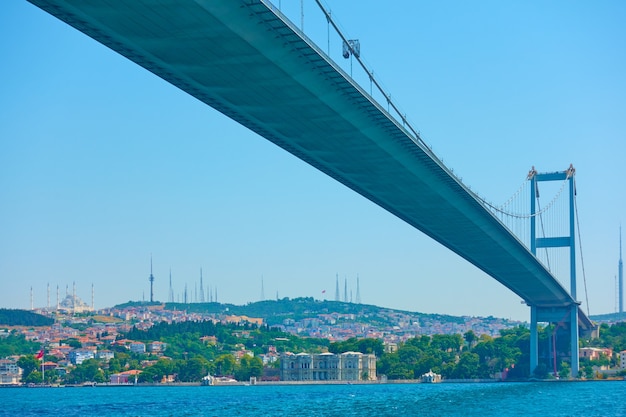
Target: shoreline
x,y
304,383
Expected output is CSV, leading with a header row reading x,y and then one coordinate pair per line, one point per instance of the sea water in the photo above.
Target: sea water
x,y
446,399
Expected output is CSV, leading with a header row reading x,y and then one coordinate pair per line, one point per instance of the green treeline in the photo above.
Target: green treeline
x,y
195,349
459,357
472,357
193,355
613,337
186,337
16,344
23,318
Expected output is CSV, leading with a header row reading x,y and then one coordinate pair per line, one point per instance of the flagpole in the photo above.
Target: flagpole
x,y
43,369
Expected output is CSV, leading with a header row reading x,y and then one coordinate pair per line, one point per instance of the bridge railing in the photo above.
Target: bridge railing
x,y
343,51
314,22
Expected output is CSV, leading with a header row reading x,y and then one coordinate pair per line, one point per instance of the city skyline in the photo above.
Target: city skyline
x,y
210,295
102,163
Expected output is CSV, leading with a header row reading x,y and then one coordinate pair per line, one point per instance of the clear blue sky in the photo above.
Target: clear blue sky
x,y
103,164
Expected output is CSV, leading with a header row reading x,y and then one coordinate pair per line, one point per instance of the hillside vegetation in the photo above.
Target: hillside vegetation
x,y
23,318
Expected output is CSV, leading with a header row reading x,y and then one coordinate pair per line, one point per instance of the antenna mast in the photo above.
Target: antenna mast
x,y
170,298
202,299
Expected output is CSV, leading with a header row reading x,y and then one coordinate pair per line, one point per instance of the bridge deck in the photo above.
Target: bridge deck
x,y
242,59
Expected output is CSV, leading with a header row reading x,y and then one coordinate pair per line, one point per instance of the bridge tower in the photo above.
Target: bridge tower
x,y
620,271
553,314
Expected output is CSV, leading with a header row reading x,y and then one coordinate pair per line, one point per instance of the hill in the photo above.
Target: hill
x,y
319,318
609,317
23,318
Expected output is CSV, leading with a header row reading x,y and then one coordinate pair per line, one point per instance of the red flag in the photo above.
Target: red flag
x,y
40,354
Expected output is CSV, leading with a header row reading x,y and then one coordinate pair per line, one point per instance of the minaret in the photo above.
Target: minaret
x,y
48,304
92,298
73,297
58,300
337,296
185,295
31,299
262,290
202,299
170,297
358,290
345,290
620,271
151,279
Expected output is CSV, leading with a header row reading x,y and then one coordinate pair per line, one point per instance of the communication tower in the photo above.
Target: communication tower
x,y
151,279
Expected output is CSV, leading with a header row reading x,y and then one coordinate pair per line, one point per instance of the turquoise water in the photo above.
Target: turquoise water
x,y
492,399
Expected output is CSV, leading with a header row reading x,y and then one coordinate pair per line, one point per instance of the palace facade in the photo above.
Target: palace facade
x,y
349,366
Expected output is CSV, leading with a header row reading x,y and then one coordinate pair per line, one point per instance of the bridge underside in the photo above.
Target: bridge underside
x,y
241,58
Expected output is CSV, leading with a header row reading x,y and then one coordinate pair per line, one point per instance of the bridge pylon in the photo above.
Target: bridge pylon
x,y
558,315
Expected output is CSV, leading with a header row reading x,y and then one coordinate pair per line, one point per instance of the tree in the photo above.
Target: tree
x,y
467,367
470,338
248,367
225,364
88,371
28,364
193,369
115,366
447,342
75,343
33,377
565,370
370,345
16,344
51,376
156,372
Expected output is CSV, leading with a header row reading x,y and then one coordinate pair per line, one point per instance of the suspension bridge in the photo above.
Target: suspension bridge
x,y
250,62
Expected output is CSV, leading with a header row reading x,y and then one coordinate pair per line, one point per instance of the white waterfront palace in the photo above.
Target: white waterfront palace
x,y
349,366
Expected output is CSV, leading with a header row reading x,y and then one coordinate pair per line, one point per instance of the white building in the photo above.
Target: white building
x,y
78,356
349,366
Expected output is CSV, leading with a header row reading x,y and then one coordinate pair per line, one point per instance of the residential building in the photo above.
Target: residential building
x,y
592,353
157,347
349,366
126,377
622,359
137,347
78,356
10,373
105,354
